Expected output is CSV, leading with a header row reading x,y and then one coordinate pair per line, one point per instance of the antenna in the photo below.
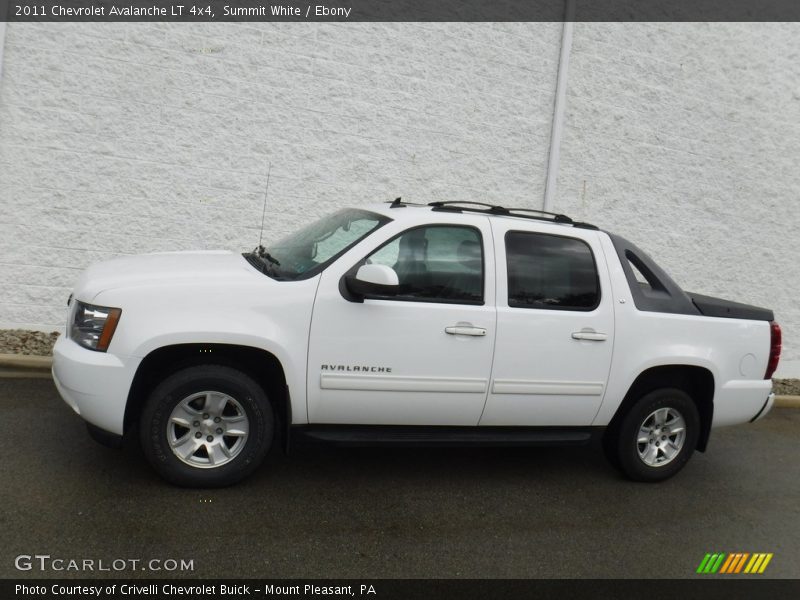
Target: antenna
x,y
264,211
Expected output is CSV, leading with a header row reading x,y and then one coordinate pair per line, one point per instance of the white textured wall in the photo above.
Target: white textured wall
x,y
684,138
129,138
124,138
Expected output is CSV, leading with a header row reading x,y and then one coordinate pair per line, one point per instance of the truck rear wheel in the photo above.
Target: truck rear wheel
x,y
206,426
657,436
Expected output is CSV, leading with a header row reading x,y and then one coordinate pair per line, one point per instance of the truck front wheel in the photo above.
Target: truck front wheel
x,y
206,426
657,436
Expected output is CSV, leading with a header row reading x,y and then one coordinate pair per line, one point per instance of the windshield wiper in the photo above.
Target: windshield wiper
x,y
261,252
264,262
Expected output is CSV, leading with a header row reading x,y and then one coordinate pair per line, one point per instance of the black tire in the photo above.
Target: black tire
x,y
249,398
624,449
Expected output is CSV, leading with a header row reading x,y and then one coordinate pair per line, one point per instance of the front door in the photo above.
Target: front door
x,y
422,357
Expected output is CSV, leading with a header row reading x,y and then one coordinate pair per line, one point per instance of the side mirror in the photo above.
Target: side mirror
x,y
373,280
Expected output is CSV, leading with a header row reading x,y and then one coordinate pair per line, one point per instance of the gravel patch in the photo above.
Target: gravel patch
x,y
21,341
787,387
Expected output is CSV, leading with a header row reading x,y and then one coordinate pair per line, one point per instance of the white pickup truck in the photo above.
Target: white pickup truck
x,y
447,323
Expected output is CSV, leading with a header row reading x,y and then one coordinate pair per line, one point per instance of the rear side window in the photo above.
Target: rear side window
x,y
550,272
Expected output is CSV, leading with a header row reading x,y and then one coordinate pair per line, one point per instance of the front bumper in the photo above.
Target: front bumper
x,y
94,384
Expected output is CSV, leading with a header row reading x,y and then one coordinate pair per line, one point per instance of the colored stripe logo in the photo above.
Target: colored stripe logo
x,y
735,563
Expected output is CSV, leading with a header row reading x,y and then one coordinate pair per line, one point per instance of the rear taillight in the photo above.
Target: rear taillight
x,y
774,348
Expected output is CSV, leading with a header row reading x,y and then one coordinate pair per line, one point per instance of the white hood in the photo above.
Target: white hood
x,y
169,268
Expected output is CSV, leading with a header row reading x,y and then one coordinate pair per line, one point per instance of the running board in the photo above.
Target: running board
x,y
403,435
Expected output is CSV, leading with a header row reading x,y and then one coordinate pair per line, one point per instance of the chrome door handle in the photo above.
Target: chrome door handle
x,y
465,330
589,334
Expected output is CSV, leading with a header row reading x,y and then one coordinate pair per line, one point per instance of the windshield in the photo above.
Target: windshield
x,y
306,252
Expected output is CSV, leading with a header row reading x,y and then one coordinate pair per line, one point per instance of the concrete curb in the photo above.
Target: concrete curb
x,y
22,366
787,401
15,366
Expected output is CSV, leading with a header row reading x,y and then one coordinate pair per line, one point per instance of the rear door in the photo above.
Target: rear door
x,y
555,326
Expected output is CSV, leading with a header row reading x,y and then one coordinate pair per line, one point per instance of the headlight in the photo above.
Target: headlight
x,y
93,326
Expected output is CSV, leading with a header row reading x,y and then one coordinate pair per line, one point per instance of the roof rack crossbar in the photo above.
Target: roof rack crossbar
x,y
524,213
400,203
557,217
494,209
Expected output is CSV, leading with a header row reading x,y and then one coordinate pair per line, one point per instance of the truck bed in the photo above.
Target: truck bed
x,y
717,307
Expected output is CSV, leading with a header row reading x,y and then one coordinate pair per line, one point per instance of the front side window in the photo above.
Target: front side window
x,y
550,272
308,251
439,263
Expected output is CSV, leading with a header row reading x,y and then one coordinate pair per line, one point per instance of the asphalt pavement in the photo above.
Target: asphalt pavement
x,y
380,513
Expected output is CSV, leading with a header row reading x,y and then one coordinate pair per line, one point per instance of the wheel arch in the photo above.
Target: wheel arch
x,y
696,381
263,366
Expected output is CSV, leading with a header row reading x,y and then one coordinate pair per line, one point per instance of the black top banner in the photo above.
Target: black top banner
x,y
399,10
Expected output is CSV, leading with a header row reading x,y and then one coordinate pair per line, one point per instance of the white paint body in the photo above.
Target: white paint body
x,y
528,369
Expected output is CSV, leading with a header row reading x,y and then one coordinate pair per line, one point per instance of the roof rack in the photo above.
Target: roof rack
x,y
493,209
398,203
